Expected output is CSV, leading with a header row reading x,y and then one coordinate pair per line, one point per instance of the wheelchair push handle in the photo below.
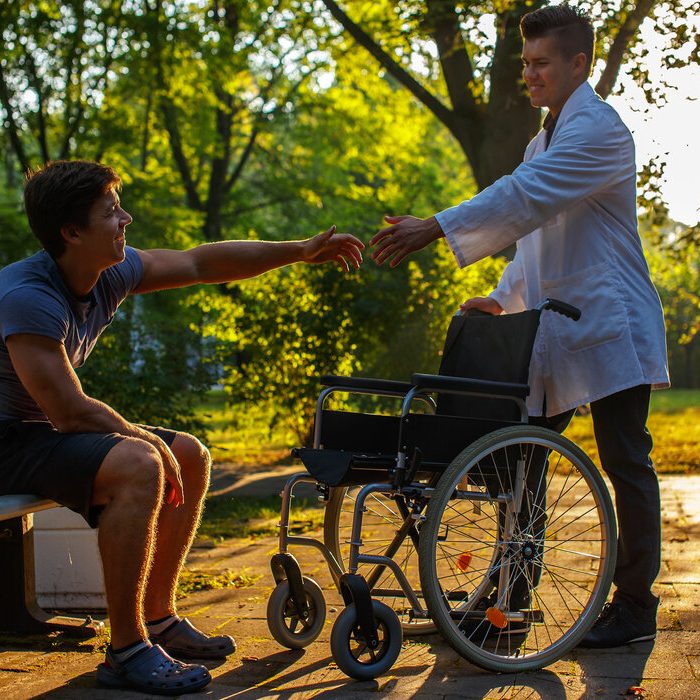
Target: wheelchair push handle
x,y
561,307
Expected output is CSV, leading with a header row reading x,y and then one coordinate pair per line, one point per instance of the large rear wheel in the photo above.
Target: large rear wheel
x,y
518,549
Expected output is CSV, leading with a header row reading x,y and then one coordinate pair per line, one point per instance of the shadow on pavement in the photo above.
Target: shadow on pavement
x,y
621,667
321,679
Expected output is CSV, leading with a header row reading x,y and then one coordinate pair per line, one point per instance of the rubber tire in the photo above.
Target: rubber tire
x,y
340,638
277,604
430,530
331,538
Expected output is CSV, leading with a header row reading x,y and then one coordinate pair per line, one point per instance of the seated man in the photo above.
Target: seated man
x,y
143,487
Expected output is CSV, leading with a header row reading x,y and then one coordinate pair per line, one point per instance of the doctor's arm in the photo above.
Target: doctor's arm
x,y
587,158
227,261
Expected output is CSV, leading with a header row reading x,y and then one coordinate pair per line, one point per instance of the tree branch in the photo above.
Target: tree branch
x,y
443,23
10,124
35,82
443,113
245,154
621,43
169,114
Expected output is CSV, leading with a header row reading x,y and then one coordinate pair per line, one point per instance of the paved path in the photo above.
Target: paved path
x,y
427,668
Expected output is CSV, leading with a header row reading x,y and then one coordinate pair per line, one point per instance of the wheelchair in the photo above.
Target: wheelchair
x,y
452,514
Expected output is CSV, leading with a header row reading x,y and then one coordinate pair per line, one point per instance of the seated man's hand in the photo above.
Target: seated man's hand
x,y
405,235
174,490
329,245
487,304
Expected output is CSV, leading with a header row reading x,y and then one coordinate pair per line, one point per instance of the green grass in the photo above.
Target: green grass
x,y
241,433
667,401
227,516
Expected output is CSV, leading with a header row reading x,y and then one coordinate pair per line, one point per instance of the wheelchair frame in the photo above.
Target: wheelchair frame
x,y
355,590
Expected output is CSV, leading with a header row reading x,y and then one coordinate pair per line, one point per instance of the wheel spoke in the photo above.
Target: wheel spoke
x,y
547,552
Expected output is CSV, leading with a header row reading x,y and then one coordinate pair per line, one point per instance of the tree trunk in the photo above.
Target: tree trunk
x,y
510,120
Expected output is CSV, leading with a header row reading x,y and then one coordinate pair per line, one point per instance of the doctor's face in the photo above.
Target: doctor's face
x,y
549,76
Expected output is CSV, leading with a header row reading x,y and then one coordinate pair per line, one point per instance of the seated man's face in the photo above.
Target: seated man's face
x,y
103,239
549,76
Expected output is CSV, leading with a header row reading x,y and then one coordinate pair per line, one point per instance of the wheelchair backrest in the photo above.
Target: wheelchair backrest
x,y
482,346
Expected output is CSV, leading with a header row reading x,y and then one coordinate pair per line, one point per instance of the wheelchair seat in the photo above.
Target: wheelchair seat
x,y
481,385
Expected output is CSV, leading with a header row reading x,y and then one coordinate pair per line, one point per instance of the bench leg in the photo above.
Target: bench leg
x,y
19,611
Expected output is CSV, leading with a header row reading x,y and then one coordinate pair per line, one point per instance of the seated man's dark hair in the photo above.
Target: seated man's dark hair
x,y
62,193
571,26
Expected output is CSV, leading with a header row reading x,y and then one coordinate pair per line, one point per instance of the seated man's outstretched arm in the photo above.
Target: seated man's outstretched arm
x,y
43,368
227,261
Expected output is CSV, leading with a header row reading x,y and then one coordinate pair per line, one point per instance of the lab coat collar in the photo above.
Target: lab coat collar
x,y
582,94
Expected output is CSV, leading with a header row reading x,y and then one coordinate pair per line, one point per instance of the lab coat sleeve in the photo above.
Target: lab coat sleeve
x,y
592,151
510,291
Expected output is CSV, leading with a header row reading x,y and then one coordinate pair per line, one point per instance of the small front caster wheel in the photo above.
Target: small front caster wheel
x,y
293,628
352,653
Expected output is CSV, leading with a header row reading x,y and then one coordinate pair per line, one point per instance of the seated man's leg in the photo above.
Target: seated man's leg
x,y
117,482
129,486
175,531
176,527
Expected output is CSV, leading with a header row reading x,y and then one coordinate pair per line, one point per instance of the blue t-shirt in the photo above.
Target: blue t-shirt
x,y
35,299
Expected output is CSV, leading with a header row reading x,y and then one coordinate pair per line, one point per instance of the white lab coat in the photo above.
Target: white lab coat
x,y
572,210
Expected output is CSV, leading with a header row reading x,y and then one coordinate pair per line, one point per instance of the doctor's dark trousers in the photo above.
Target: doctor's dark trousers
x,y
624,444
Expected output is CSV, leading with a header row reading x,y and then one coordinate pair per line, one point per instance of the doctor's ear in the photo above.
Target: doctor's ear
x,y
579,62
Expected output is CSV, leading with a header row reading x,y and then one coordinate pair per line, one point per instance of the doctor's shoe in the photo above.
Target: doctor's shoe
x,y
621,623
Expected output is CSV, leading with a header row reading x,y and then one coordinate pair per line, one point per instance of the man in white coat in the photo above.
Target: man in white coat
x,y
571,209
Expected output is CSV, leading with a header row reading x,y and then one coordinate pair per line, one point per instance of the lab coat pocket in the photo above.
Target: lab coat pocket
x,y
594,292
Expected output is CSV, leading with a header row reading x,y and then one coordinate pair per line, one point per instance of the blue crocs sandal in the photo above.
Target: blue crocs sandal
x,y
152,671
184,641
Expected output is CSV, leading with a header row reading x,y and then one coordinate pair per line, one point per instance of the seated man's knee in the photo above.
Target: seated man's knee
x,y
132,468
192,455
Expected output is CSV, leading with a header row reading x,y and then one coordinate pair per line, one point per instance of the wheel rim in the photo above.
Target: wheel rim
x,y
558,546
294,622
361,652
379,529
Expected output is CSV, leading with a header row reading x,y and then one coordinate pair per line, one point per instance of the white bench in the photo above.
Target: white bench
x,y
19,611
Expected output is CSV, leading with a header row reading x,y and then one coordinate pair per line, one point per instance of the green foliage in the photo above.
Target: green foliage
x,y
147,366
676,274
16,240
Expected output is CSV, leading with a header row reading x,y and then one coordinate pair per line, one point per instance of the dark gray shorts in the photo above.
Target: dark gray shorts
x,y
36,458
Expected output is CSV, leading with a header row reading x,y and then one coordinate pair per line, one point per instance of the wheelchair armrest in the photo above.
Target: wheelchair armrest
x,y
437,382
367,384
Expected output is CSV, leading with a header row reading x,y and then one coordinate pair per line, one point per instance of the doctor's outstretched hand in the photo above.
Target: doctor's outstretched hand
x,y
405,235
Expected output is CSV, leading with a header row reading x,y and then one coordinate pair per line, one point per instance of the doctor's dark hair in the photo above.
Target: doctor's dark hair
x,y
61,193
571,27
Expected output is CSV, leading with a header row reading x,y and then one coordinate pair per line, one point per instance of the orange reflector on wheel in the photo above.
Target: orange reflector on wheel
x,y
463,561
496,617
